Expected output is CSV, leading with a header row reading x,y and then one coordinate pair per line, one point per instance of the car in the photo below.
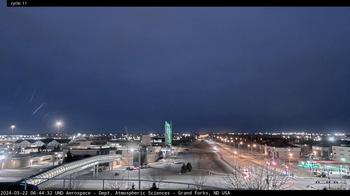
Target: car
x,y
116,174
346,176
145,166
129,168
321,175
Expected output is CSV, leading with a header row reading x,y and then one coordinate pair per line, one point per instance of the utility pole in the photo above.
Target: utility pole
x,y
140,168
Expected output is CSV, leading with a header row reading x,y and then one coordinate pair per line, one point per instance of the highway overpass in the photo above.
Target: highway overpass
x,y
72,167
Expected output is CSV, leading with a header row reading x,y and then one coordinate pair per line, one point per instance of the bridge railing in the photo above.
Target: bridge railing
x,y
76,165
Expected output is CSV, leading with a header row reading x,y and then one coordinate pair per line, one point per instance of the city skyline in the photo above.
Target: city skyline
x,y
201,68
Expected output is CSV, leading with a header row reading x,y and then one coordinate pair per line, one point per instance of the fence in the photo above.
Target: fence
x,y
114,184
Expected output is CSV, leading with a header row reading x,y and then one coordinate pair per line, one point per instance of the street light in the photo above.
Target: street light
x,y
251,148
234,160
59,125
290,155
139,150
254,146
13,128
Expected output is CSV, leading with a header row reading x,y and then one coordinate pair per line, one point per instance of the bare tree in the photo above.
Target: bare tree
x,y
118,184
257,178
157,175
76,184
199,181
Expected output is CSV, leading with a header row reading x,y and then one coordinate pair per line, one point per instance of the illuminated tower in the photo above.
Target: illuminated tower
x,y
168,127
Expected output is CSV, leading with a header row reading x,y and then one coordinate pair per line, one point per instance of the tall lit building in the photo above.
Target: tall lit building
x,y
168,132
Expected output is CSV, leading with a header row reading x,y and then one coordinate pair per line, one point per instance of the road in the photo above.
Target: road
x,y
208,170
244,158
211,163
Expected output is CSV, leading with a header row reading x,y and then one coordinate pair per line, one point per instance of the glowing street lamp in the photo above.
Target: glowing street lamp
x,y
290,155
13,128
139,157
234,158
59,124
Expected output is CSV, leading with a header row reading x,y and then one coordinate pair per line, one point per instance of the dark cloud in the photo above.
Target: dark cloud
x,y
202,68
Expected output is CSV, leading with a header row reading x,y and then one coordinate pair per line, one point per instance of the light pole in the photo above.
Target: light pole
x,y
13,128
240,143
312,161
139,157
58,125
139,168
132,150
290,155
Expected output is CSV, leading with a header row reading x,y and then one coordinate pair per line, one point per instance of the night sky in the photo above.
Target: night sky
x,y
247,69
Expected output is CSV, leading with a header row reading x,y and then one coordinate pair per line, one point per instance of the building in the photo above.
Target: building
x,y
146,140
157,141
322,152
281,149
284,153
168,134
25,160
341,154
22,144
202,135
